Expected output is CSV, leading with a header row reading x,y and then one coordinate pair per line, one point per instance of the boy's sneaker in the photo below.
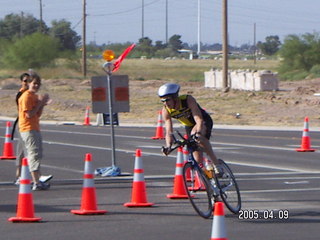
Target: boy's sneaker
x,y
40,186
45,179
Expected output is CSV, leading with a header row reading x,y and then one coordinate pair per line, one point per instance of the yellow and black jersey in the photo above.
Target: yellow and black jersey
x,y
184,114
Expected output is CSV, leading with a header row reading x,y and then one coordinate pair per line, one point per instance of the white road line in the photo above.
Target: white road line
x,y
160,155
280,190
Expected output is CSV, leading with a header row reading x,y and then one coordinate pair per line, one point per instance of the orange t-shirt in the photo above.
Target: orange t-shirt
x,y
27,102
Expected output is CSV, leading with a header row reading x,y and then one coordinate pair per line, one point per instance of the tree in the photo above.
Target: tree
x,y
33,51
175,43
270,46
300,52
145,47
67,37
17,26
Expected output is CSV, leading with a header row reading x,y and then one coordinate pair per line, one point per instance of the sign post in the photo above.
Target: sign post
x,y
110,94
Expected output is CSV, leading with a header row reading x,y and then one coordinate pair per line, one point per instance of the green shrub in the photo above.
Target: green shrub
x,y
33,51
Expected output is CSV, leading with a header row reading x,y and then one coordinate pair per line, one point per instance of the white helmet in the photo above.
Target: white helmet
x,y
168,89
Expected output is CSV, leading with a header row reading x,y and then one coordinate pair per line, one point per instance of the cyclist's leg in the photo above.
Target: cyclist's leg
x,y
204,142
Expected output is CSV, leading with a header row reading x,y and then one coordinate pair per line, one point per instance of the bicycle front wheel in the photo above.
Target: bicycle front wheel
x,y
229,189
198,189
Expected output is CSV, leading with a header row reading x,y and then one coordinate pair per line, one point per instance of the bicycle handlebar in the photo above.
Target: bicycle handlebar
x,y
190,142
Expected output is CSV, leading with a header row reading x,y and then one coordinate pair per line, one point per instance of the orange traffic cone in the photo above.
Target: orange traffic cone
x,y
139,195
218,231
87,118
8,145
88,200
179,191
305,142
159,129
25,208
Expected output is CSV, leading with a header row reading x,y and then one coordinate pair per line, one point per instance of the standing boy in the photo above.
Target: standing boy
x,y
30,110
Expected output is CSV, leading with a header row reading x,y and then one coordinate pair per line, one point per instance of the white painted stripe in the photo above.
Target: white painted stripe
x,y
280,190
297,182
88,168
138,177
275,178
138,164
160,155
24,188
87,182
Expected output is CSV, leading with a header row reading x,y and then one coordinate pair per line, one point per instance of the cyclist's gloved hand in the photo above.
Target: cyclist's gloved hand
x,y
194,136
165,150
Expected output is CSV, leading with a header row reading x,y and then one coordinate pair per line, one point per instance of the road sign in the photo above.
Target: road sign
x,y
120,94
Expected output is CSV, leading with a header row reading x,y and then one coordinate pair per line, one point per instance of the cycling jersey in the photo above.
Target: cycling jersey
x,y
184,114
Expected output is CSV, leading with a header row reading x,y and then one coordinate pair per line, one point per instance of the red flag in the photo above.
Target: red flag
x,y
121,57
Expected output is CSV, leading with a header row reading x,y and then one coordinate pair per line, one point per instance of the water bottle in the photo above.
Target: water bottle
x,y
209,168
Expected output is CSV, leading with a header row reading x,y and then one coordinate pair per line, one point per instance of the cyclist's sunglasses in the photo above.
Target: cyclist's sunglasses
x,y
165,100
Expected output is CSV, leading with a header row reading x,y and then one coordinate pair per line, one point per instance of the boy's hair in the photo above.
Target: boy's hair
x,y
24,75
35,77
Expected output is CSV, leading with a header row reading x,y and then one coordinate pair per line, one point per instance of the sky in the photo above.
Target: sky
x,y
120,21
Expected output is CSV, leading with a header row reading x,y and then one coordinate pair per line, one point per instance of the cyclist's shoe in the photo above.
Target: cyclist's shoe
x,y
218,171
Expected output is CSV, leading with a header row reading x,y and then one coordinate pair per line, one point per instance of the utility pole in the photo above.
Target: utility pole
x,y
142,20
166,21
199,26
225,50
40,27
84,49
254,44
21,25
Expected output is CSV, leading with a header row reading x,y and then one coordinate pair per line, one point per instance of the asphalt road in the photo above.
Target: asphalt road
x,y
278,183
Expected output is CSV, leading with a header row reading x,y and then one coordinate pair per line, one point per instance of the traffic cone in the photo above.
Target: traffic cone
x,y
25,208
88,200
305,142
218,231
8,145
139,194
179,191
159,129
87,118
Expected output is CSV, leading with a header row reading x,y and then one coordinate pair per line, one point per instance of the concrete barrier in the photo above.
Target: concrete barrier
x,y
243,80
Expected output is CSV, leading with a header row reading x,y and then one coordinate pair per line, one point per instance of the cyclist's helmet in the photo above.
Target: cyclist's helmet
x,y
169,89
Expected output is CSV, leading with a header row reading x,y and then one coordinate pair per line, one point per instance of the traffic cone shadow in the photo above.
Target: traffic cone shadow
x,y
218,231
159,129
25,207
8,152
88,198
305,141
179,191
139,194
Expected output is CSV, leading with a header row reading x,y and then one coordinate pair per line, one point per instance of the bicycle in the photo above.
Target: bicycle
x,y
204,191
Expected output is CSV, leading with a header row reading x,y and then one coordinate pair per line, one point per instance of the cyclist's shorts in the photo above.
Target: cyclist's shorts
x,y
207,122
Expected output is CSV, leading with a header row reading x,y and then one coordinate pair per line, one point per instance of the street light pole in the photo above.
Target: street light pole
x,y
142,20
84,48
199,26
40,1
225,50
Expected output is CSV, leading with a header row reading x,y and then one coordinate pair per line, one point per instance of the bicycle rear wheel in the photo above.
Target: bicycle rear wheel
x,y
198,189
229,189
